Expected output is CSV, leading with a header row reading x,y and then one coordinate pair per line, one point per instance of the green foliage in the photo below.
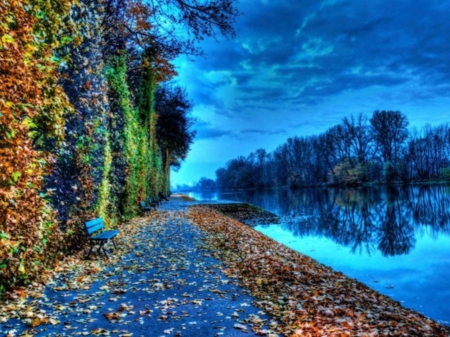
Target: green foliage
x,y
134,135
104,190
446,173
152,153
72,144
143,156
347,174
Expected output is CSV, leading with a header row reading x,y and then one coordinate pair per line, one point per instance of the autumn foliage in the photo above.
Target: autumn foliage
x,y
309,299
77,119
32,106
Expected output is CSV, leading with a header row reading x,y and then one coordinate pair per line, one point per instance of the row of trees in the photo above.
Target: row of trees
x,y
365,219
89,125
359,150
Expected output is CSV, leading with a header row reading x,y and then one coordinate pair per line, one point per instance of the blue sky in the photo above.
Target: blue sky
x,y
297,68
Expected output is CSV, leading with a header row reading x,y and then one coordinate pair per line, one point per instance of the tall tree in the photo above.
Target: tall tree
x,y
357,131
174,26
206,185
389,129
173,126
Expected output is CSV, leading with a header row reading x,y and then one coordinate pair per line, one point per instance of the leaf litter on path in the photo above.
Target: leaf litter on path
x,y
160,282
166,280
309,298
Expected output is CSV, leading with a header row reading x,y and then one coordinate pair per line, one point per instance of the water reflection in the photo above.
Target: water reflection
x,y
395,240
366,219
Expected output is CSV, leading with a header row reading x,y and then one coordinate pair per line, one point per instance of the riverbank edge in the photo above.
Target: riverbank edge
x,y
248,214
289,285
307,296
413,183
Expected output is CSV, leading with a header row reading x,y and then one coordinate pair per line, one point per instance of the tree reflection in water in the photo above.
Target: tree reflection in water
x,y
365,219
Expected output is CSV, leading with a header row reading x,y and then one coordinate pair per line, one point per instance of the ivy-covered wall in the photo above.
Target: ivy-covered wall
x,y
78,174
33,108
75,143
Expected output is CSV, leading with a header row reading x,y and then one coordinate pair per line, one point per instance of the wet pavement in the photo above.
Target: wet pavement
x,y
168,284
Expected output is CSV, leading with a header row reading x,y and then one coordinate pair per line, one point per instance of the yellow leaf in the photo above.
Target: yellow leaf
x,y
36,322
21,268
101,331
6,38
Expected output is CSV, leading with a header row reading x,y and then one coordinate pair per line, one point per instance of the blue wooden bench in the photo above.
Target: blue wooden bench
x,y
155,200
99,237
163,197
147,207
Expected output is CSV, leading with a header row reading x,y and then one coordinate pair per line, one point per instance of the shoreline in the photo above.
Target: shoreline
x,y
304,297
310,298
415,183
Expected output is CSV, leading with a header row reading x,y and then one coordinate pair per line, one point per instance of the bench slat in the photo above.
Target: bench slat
x,y
94,228
105,235
94,221
94,225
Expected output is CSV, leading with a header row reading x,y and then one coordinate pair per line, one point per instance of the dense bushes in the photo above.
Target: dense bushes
x,y
32,111
75,141
133,136
64,155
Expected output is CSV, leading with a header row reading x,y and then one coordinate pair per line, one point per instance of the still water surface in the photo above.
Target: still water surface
x,y
395,240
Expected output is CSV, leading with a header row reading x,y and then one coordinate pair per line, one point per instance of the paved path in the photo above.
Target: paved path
x,y
168,286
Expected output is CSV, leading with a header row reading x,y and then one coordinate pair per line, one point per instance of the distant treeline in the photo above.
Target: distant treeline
x,y
359,150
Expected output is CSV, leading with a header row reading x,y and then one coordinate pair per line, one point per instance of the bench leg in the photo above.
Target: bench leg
x,y
90,250
101,248
114,244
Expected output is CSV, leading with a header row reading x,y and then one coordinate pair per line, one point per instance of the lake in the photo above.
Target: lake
x,y
394,239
